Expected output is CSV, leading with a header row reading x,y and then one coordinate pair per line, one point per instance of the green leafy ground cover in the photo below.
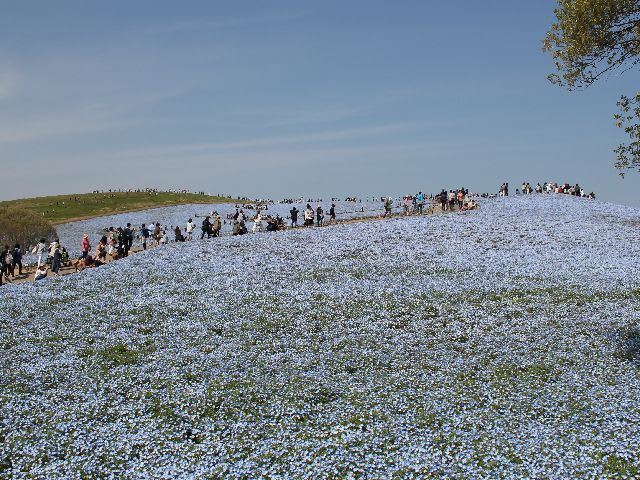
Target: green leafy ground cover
x,y
62,208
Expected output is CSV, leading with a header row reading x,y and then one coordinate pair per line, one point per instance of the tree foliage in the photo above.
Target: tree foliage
x,y
590,40
18,225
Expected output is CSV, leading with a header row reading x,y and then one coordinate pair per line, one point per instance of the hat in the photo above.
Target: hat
x,y
85,236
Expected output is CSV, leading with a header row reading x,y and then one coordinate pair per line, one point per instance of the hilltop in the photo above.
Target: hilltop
x,y
498,343
64,208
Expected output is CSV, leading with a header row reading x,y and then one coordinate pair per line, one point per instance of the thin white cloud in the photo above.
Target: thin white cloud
x,y
307,116
97,116
55,125
267,142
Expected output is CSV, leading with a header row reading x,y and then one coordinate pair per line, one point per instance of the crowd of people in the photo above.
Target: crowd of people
x,y
50,257
547,187
118,242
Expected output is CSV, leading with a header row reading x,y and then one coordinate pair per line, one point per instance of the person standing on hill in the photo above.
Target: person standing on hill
x,y
144,235
206,228
157,234
178,234
443,200
39,250
17,260
128,237
420,200
4,264
85,246
101,250
122,242
388,205
308,216
319,215
189,229
57,257
257,223
216,226
294,216
405,204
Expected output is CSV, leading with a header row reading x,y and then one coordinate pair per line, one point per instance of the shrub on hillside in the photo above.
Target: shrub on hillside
x,y
18,225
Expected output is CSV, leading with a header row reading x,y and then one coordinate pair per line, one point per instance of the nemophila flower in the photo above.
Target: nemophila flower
x,y
499,343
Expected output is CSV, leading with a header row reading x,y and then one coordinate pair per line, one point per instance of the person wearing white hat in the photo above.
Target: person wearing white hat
x,y
86,246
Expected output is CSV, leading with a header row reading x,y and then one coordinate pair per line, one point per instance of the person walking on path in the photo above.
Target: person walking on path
x,y
332,214
319,215
17,260
443,200
144,235
460,198
420,200
294,216
85,246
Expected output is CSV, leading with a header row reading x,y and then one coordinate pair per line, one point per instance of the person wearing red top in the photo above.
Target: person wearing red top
x,y
86,246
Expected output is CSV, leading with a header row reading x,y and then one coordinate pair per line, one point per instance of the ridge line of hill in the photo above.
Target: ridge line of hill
x,y
59,209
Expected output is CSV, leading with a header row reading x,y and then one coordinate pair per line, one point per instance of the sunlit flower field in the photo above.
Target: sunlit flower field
x,y
498,343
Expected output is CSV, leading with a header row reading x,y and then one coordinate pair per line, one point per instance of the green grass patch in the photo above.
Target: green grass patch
x,y
62,208
118,354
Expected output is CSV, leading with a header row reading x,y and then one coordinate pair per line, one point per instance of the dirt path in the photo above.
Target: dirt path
x,y
134,209
69,269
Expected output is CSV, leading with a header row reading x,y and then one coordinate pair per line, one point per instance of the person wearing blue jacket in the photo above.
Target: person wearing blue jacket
x,y
420,200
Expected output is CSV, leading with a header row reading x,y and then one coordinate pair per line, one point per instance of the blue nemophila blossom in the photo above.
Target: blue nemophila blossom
x,y
499,343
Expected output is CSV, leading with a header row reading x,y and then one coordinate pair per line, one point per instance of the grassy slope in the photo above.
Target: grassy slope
x,y
61,208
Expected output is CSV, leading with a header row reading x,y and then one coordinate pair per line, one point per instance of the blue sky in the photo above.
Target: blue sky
x,y
282,99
